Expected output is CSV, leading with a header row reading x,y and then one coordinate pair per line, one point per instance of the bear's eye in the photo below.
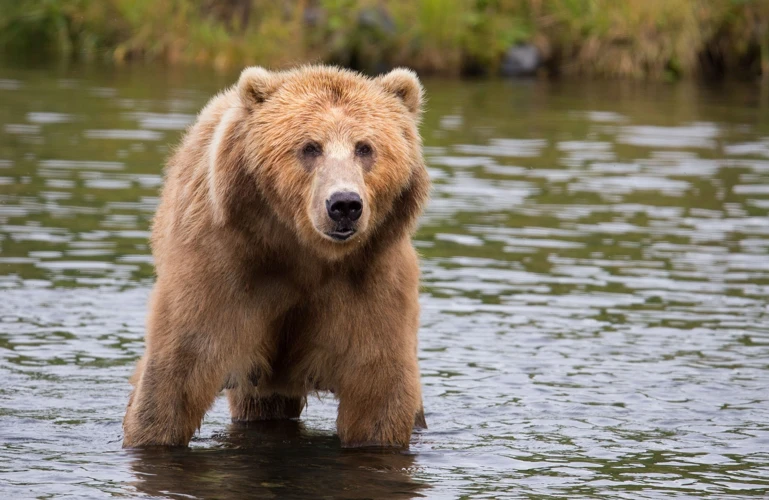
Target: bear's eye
x,y
312,149
363,149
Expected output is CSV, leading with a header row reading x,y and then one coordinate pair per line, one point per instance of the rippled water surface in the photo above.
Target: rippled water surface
x,y
595,302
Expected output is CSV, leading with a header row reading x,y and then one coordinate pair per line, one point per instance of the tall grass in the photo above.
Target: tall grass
x,y
656,38
651,39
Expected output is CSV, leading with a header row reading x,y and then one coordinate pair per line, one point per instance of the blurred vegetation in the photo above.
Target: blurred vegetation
x,y
641,39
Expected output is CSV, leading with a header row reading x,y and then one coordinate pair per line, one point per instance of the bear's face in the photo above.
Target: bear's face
x,y
333,152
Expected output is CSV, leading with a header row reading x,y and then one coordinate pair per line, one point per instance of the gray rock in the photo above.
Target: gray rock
x,y
521,60
376,19
313,16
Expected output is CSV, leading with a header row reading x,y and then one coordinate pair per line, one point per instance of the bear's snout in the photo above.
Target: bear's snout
x,y
344,205
344,208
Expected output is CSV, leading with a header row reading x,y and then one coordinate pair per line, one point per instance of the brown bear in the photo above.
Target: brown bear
x,y
284,261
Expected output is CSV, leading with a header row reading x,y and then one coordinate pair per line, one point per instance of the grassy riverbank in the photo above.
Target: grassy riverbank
x,y
640,39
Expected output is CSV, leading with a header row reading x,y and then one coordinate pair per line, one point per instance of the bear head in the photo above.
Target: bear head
x,y
335,155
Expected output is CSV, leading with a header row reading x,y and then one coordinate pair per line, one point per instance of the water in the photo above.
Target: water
x,y
594,304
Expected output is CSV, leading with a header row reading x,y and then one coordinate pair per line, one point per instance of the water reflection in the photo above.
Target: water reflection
x,y
274,460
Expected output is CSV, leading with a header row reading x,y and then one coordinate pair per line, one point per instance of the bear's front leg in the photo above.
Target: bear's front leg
x,y
173,392
378,403
188,355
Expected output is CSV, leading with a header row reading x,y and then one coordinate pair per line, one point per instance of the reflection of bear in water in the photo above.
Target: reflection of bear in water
x,y
284,261
277,459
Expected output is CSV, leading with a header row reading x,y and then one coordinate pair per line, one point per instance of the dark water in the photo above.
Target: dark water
x,y
595,304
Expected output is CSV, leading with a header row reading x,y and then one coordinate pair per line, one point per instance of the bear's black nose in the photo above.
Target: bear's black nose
x,y
344,205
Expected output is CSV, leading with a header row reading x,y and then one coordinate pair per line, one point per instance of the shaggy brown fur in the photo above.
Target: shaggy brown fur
x,y
254,292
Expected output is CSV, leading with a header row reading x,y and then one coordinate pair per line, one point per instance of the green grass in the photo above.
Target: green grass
x,y
639,39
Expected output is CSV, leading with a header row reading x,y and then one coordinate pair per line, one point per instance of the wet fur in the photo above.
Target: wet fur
x,y
250,298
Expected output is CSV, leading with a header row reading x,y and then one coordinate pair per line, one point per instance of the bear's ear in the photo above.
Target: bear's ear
x,y
404,84
256,84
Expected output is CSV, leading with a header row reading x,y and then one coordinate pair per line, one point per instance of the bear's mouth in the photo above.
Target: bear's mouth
x,y
341,234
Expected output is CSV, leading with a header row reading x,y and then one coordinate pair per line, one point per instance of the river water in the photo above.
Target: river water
x,y
595,297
